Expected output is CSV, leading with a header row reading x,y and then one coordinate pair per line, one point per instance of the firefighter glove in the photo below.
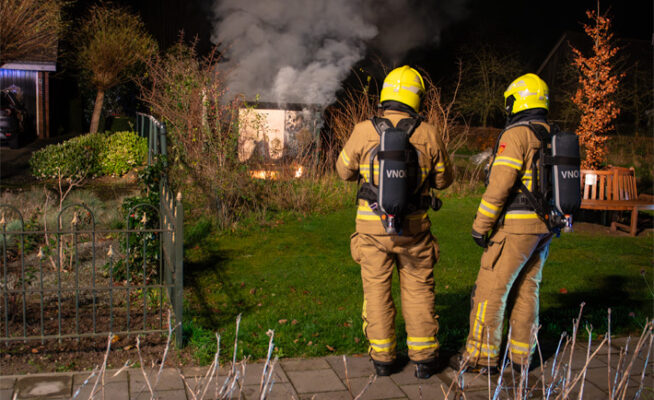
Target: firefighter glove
x,y
481,240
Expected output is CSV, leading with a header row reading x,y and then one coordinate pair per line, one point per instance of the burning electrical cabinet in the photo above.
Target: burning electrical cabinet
x,y
272,135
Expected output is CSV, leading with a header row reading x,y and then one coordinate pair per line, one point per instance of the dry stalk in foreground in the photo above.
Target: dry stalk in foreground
x,y
557,382
561,381
231,386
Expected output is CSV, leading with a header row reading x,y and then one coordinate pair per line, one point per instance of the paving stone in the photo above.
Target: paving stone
x,y
356,366
603,350
579,359
114,390
253,374
281,391
194,371
636,368
196,376
6,394
599,377
507,393
79,378
621,342
430,391
475,381
647,393
304,365
197,384
382,388
648,381
633,385
162,395
169,380
480,394
327,396
313,381
50,386
590,392
7,383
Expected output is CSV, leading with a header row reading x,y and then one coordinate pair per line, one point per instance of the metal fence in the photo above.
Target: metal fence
x,y
77,280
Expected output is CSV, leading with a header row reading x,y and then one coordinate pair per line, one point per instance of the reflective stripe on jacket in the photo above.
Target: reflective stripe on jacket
x,y
513,162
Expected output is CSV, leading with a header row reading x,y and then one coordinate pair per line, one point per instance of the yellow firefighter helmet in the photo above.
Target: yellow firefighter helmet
x,y
526,92
404,85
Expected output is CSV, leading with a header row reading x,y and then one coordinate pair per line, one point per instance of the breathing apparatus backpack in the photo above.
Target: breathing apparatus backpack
x,y
400,177
556,194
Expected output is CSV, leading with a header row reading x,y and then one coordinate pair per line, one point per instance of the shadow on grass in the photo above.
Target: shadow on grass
x,y
212,299
628,315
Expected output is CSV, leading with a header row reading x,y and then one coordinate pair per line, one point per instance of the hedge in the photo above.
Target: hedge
x,y
89,156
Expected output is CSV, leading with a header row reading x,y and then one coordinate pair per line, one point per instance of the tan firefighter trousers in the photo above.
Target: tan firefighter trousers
x,y
511,265
415,257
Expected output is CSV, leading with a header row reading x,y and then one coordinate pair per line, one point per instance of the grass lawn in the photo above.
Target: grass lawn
x,y
298,279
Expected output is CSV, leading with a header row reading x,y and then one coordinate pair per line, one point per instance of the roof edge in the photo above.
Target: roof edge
x,y
30,66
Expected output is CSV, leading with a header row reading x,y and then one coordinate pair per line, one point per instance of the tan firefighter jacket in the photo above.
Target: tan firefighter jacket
x,y
513,161
354,160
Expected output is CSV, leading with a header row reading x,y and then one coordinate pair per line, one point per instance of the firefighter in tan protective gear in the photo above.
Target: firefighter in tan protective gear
x,y
414,250
515,239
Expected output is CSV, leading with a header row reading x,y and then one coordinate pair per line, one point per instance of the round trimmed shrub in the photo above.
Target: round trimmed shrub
x,y
122,152
74,158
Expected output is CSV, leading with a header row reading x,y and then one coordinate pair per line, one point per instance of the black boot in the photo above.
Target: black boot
x,y
424,370
383,368
457,362
518,367
482,369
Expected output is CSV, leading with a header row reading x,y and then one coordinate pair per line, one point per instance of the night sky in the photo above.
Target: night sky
x,y
526,29
529,27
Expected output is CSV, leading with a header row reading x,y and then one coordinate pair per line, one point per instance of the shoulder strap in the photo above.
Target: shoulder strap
x,y
381,124
408,125
540,131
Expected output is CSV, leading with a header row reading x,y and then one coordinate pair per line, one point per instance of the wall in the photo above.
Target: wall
x,y
25,80
273,134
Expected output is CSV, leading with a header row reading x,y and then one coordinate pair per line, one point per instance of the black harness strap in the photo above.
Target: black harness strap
x,y
562,160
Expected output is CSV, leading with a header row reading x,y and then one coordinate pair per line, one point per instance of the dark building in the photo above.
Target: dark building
x,y
29,80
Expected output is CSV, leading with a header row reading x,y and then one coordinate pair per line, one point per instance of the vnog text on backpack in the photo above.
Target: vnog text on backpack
x,y
556,187
400,179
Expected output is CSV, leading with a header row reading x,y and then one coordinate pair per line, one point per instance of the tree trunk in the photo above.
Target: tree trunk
x,y
97,110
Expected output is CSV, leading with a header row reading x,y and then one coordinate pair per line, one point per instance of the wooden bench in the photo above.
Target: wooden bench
x,y
615,190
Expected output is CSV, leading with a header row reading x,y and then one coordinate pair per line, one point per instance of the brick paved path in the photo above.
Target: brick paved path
x,y
319,378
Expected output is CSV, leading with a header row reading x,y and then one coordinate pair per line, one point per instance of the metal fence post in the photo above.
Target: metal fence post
x,y
162,133
179,269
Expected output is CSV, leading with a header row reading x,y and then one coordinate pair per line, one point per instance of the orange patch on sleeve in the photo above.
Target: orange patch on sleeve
x,y
501,148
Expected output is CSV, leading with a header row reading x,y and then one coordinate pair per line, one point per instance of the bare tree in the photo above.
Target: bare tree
x,y
486,74
29,29
113,43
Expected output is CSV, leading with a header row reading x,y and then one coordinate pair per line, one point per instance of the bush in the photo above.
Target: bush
x,y
122,152
75,158
90,155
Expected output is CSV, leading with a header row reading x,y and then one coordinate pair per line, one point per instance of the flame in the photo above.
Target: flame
x,y
264,174
296,171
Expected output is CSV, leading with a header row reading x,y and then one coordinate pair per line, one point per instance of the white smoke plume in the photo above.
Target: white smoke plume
x,y
299,51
